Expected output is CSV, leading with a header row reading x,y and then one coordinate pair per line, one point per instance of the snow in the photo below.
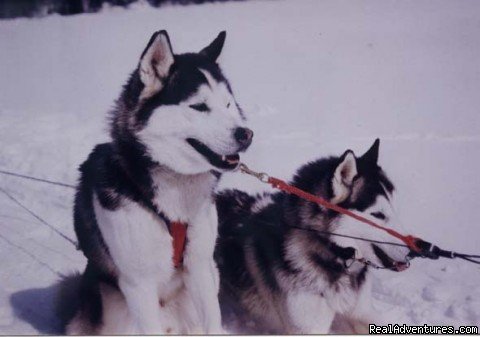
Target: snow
x,y
314,77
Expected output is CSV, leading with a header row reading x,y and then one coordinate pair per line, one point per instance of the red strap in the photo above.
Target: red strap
x,y
409,240
178,231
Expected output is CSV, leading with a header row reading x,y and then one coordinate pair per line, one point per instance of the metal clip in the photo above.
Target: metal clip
x,y
262,176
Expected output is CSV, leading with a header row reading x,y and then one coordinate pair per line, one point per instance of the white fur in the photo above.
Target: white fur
x,y
308,314
170,126
140,246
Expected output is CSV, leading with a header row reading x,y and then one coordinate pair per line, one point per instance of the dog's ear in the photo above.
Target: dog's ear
x,y
213,50
155,63
343,177
370,158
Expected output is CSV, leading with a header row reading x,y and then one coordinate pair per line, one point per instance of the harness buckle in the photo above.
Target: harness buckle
x,y
262,176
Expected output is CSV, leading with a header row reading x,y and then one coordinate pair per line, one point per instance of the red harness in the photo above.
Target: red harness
x,y
178,231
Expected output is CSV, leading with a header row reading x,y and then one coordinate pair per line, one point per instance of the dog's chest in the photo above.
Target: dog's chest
x,y
181,198
139,240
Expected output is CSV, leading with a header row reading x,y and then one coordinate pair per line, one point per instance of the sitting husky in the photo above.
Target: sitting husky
x,y
281,273
175,128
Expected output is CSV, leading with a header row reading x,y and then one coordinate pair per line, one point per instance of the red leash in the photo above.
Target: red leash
x,y
411,241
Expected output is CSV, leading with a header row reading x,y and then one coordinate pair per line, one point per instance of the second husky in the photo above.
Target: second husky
x,y
282,271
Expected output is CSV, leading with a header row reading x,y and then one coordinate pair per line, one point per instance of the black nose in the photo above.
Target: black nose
x,y
243,136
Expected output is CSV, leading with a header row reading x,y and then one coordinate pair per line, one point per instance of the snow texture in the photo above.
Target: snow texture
x,y
314,77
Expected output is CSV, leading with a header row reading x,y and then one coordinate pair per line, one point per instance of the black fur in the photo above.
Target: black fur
x,y
212,51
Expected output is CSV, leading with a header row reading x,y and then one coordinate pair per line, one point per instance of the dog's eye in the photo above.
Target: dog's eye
x,y
202,107
378,215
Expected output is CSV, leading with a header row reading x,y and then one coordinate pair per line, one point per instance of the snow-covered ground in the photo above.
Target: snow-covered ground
x,y
315,77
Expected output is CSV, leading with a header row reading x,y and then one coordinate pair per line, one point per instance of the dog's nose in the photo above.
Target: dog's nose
x,y
243,136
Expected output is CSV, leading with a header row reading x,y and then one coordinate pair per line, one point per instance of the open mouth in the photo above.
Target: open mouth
x,y
387,261
224,162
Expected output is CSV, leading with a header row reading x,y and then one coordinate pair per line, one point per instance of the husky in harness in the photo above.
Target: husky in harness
x,y
175,129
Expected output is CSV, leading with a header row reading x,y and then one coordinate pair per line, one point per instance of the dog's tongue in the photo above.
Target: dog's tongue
x,y
232,159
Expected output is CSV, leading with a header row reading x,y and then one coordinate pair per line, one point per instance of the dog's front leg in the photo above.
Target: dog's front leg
x,y
142,296
202,278
203,290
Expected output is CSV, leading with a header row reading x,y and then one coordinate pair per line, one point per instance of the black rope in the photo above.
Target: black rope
x,y
36,216
468,259
24,176
467,255
438,252
350,236
353,259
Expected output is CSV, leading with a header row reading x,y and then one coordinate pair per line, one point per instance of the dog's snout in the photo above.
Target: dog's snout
x,y
243,136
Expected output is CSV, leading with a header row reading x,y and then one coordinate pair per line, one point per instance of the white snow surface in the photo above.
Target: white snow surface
x,y
314,77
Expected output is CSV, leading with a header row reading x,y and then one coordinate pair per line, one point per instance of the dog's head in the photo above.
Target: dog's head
x,y
181,111
360,185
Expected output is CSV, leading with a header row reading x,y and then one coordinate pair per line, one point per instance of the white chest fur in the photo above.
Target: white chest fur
x,y
181,197
141,248
138,239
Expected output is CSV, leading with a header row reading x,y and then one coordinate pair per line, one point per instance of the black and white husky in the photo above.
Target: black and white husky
x,y
280,272
175,128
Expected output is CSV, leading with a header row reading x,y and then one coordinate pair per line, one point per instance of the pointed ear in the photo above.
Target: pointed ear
x,y
213,50
343,177
155,63
371,156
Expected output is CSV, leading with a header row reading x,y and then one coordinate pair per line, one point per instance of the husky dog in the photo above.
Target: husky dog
x,y
175,128
281,271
